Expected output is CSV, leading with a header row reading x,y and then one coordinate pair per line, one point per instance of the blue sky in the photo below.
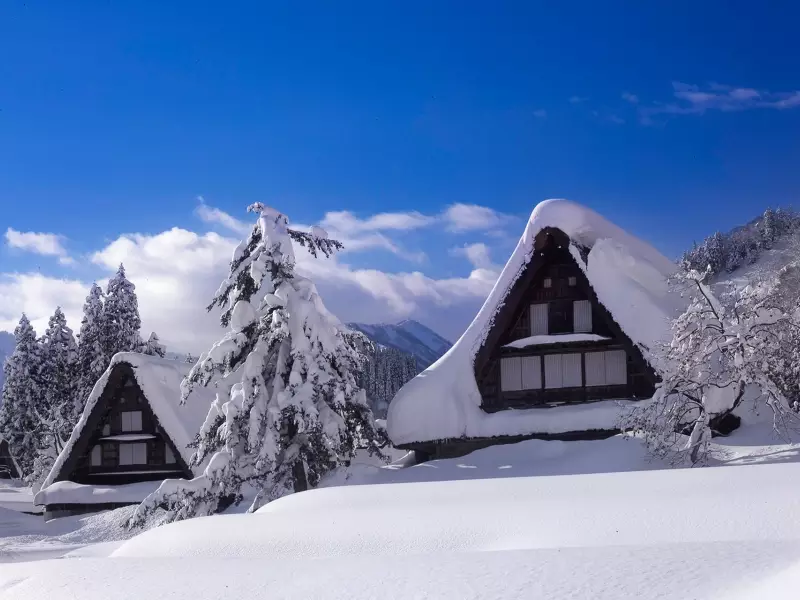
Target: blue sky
x,y
672,119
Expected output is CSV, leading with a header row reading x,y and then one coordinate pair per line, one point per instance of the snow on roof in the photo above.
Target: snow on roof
x,y
630,279
159,380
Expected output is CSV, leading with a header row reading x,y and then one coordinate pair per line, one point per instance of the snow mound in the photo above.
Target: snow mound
x,y
160,381
68,492
630,279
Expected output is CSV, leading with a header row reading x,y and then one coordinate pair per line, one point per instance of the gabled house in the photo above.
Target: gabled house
x,y
133,434
561,345
9,469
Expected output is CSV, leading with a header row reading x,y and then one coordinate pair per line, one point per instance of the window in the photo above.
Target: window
x,y
106,429
572,281
582,316
606,368
531,372
110,454
511,374
131,420
133,454
539,319
169,456
520,373
97,456
562,370
560,317
548,282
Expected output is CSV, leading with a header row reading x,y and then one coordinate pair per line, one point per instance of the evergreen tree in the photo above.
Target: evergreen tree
x,y
288,407
92,360
769,228
57,387
153,346
18,422
121,321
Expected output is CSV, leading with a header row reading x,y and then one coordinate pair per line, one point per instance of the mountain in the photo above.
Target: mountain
x,y
6,348
408,336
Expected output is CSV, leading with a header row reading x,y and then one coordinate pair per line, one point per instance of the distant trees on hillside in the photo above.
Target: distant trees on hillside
x,y
386,371
726,252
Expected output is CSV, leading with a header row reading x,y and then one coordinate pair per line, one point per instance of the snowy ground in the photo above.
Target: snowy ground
x,y
499,523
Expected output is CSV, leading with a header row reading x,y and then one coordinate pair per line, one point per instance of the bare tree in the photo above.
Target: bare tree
x,y
722,352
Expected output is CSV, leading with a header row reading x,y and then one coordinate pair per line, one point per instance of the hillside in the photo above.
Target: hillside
x,y
407,336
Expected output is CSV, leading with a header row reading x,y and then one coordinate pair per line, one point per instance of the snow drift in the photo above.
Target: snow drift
x,y
630,280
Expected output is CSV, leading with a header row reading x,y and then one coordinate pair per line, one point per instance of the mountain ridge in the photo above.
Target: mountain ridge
x,y
407,336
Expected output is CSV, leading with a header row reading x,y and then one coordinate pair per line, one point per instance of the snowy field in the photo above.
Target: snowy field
x,y
504,522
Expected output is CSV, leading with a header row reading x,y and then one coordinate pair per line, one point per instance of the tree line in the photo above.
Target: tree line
x,y
48,378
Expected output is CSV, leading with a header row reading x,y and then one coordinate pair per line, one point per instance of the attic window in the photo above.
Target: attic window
x,y
106,429
131,420
128,383
572,281
548,282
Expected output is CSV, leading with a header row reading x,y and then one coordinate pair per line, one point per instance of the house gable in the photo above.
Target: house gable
x,y
554,301
122,440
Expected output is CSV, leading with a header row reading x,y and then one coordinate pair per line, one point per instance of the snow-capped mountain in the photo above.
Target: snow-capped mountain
x,y
409,336
6,348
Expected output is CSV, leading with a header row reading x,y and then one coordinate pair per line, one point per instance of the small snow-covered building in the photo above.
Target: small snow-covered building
x,y
133,433
562,343
9,469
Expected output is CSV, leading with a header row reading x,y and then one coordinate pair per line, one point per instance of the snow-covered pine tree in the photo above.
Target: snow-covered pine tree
x,y
288,408
58,387
190,358
121,321
18,422
720,352
92,360
153,346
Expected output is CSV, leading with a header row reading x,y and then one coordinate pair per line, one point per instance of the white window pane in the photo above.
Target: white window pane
x,y
97,456
131,420
511,374
582,316
571,370
548,282
139,454
531,373
169,456
553,376
125,454
539,319
573,281
106,429
595,368
616,367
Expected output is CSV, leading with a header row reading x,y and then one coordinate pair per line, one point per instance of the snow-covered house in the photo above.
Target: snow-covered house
x,y
560,346
133,434
9,469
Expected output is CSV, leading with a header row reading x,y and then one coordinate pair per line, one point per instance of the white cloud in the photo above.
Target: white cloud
x,y
697,100
632,98
577,99
540,113
477,254
45,244
38,296
212,215
346,222
472,217
177,271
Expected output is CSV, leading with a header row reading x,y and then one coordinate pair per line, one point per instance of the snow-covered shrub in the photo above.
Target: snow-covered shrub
x,y
722,350
288,407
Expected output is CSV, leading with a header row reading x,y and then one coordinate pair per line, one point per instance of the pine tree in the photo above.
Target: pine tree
x,y
121,321
769,228
58,387
18,423
288,407
153,346
92,360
